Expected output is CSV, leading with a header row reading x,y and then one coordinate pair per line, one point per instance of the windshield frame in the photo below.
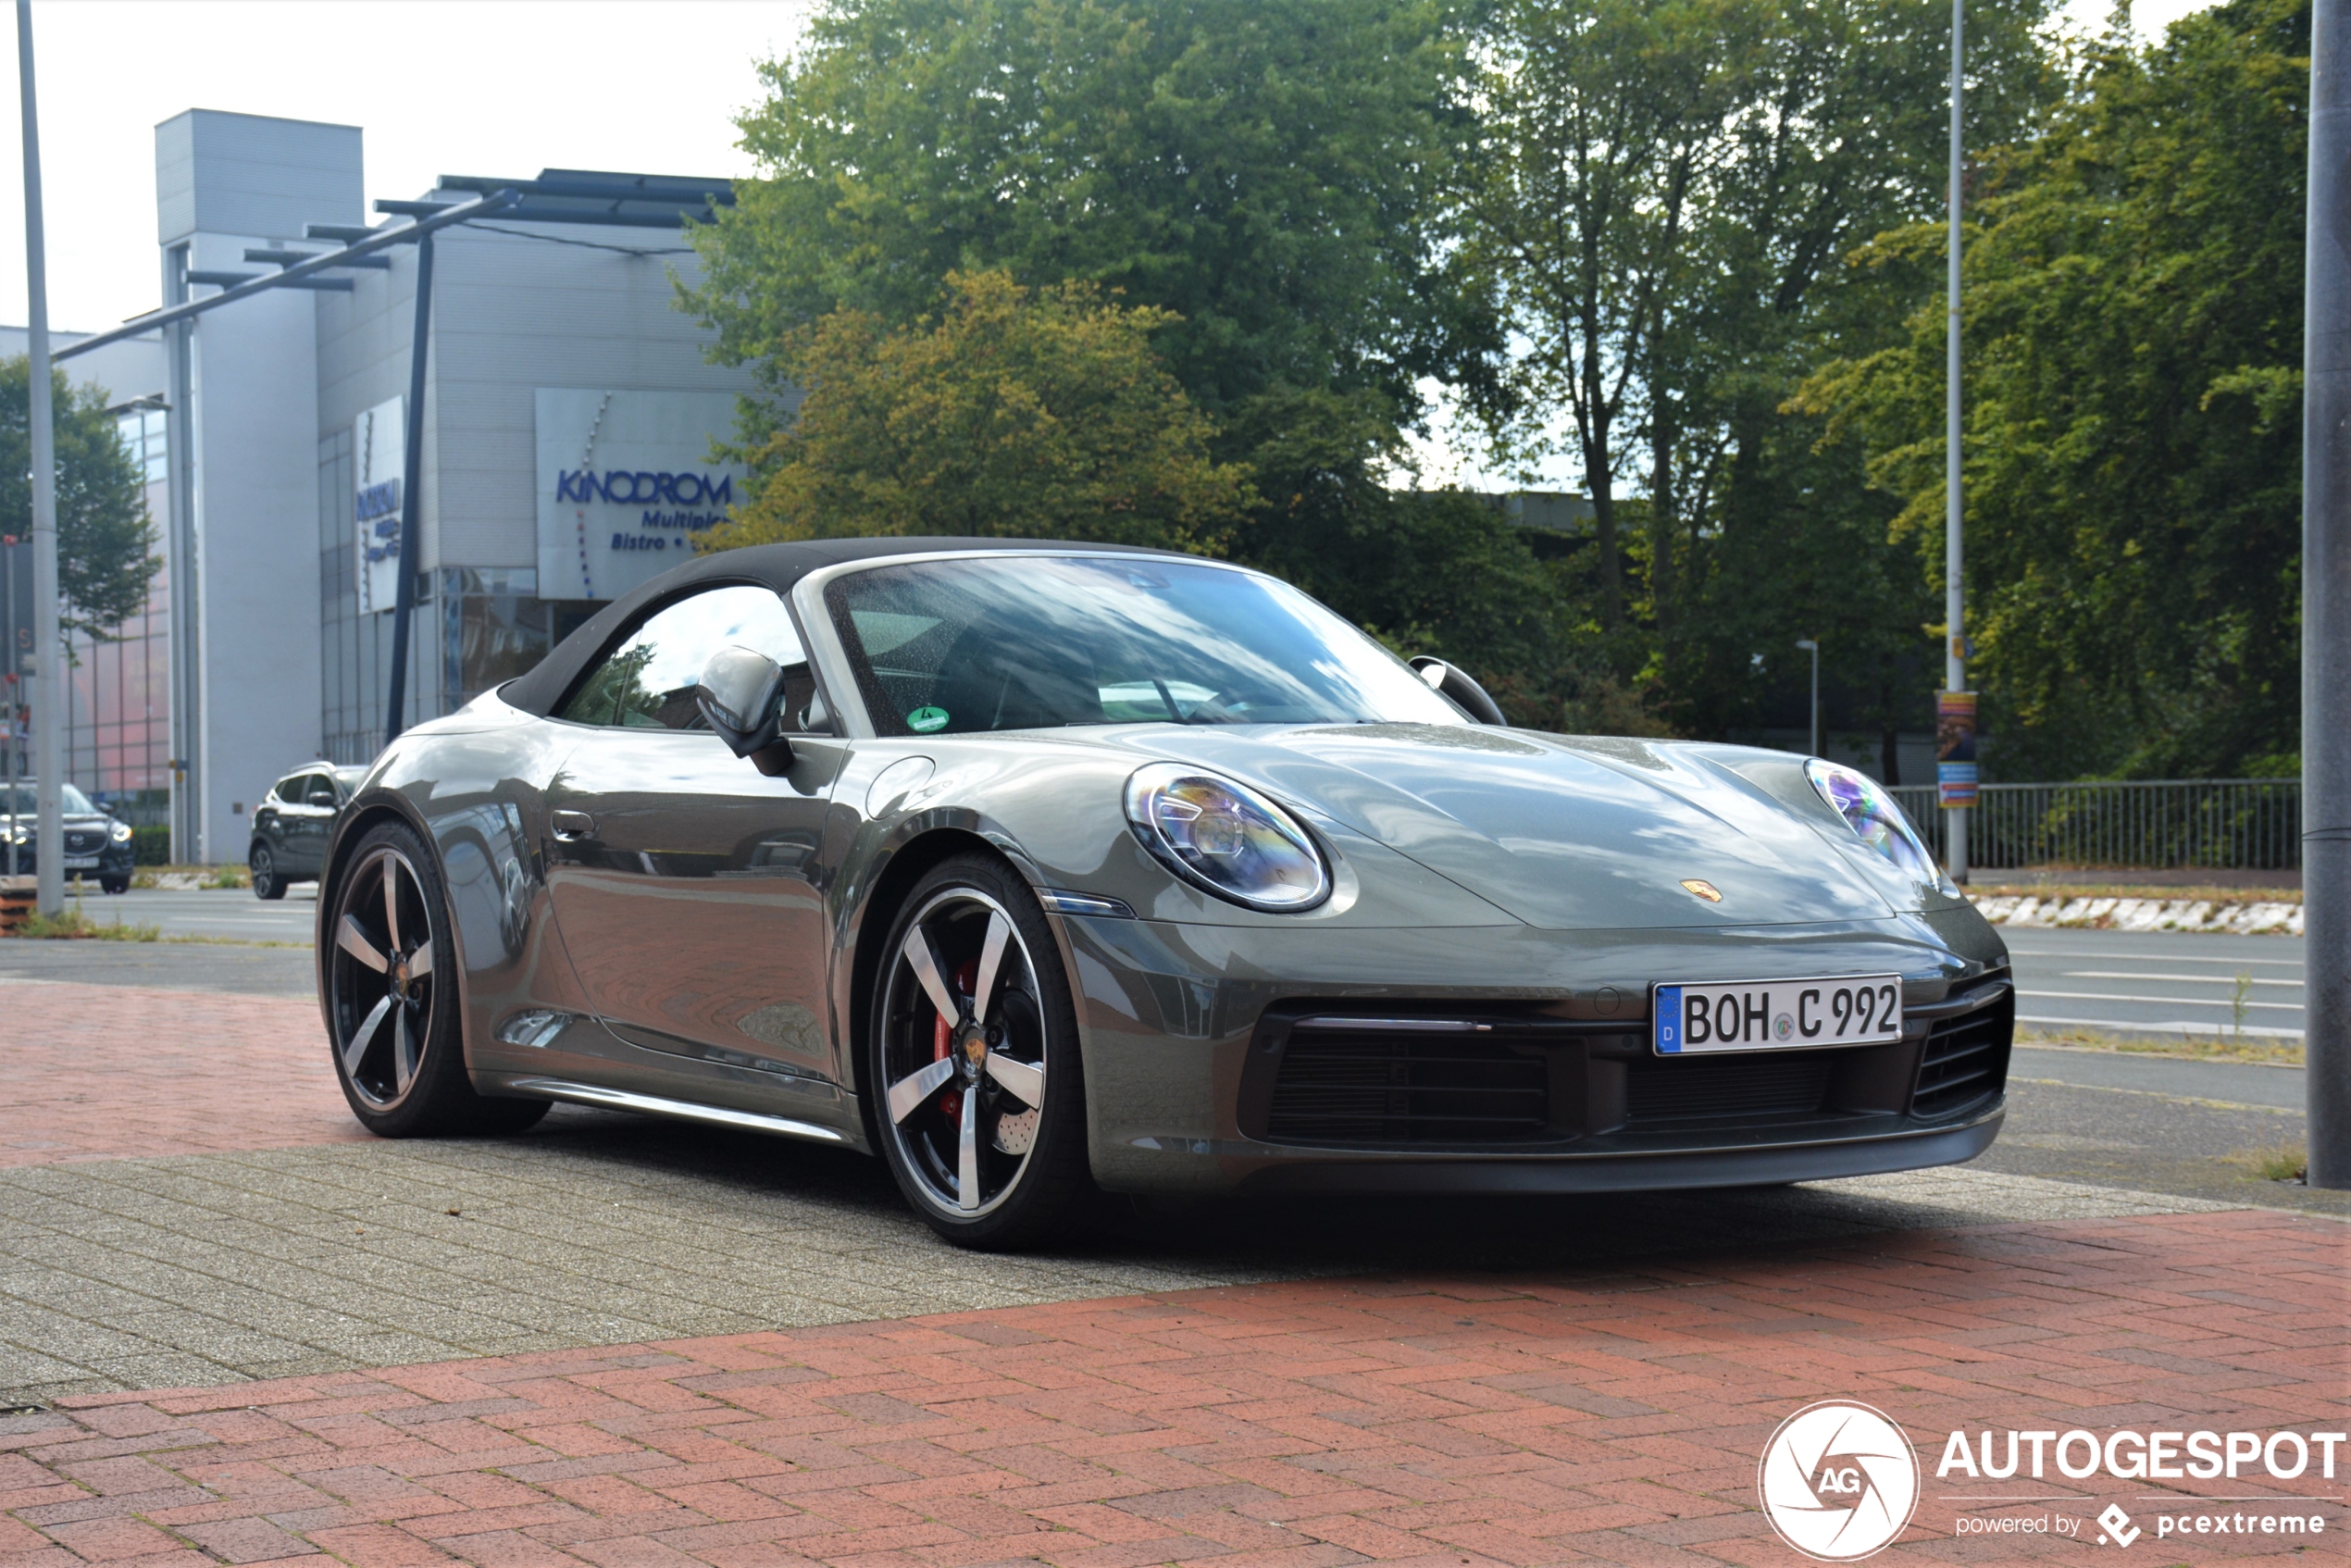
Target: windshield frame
x,y
821,637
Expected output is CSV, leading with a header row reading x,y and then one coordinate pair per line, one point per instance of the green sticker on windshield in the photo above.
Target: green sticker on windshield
x,y
925,720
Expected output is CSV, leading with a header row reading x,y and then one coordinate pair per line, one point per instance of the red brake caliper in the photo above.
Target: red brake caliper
x,y
943,1040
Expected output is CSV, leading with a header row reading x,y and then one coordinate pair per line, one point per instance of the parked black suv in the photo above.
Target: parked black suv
x,y
96,845
293,822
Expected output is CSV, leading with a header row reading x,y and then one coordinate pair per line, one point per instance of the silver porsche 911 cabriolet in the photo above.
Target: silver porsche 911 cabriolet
x,y
1047,870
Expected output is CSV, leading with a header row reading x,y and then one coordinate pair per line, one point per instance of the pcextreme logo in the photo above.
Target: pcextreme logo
x,y
1839,1481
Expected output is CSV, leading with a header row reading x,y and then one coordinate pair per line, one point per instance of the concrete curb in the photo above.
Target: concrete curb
x,y
2146,914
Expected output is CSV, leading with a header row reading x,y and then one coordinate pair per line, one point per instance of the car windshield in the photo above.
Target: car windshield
x,y
1033,643
25,802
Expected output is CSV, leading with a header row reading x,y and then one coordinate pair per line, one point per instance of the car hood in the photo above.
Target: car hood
x,y
1566,833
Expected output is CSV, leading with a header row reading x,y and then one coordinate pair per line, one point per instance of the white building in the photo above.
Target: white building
x,y
567,419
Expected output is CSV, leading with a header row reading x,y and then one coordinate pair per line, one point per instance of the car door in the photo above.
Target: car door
x,y
685,882
320,805
279,822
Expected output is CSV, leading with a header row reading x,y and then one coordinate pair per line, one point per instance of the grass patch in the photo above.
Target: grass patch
x,y
2060,892
220,876
72,924
2223,1047
2279,1161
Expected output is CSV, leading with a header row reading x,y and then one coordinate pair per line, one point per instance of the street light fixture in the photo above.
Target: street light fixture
x,y
1812,646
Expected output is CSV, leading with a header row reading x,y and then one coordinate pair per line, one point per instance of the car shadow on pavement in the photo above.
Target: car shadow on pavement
x,y
1300,1236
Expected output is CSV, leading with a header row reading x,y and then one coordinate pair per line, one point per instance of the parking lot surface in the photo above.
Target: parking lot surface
x,y
613,1340
1612,1413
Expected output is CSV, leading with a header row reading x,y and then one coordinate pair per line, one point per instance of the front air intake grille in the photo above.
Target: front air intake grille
x,y
1368,1087
84,843
1967,1059
1782,1084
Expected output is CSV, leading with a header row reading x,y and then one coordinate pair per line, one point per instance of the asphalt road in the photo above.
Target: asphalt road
x,y
230,914
2169,983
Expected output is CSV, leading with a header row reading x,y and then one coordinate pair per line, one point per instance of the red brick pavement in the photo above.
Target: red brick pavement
x,y
115,1072
1600,1415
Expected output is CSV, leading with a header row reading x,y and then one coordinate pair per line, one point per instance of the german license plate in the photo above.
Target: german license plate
x,y
82,863
1692,1018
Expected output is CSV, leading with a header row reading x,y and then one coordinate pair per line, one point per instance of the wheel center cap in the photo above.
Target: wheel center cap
x,y
398,976
974,1055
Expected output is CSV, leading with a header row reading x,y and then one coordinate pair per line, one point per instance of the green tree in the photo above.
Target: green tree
x,y
1266,169
105,542
1665,195
1605,123
1012,412
2133,291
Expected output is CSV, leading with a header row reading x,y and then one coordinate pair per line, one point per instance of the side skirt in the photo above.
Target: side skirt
x,y
681,1110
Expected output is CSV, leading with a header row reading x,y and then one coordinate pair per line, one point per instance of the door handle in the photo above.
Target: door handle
x,y
571,824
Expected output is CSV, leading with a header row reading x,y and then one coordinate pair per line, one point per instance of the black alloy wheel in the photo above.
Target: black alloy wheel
x,y
392,1004
974,1073
115,884
267,883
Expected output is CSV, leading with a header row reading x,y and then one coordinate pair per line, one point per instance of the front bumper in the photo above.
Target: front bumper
x,y
1297,1064
115,862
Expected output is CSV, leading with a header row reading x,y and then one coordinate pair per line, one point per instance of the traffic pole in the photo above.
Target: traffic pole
x,y
405,553
2326,600
1954,603
49,683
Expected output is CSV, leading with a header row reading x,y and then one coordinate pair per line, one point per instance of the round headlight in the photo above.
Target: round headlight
x,y
1874,816
119,832
1226,838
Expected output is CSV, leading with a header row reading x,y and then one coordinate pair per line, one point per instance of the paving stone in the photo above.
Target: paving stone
x,y
1612,1410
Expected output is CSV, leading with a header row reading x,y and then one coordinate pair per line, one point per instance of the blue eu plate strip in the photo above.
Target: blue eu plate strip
x,y
1669,1019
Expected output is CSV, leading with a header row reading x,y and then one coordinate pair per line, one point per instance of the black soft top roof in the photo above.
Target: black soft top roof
x,y
776,565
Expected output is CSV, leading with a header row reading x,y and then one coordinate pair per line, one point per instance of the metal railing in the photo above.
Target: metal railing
x,y
2221,824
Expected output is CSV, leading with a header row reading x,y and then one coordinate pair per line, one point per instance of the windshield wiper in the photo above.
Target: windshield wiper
x,y
1174,713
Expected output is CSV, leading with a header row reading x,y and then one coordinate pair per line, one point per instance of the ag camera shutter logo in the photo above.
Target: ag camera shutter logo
x,y
1839,1481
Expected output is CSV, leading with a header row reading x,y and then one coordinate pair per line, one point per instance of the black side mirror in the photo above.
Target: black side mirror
x,y
1450,680
740,697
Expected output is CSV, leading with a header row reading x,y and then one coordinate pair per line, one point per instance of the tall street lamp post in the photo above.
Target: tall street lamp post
x,y
49,684
1954,654
2326,599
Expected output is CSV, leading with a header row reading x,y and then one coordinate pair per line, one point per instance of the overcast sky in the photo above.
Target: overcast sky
x,y
494,87
497,87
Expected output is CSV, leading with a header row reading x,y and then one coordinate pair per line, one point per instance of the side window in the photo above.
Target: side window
x,y
288,790
648,681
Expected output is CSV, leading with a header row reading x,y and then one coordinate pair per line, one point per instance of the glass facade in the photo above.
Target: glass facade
x,y
475,626
117,717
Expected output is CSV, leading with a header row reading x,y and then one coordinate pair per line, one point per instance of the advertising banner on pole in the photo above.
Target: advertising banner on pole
x,y
378,453
1955,778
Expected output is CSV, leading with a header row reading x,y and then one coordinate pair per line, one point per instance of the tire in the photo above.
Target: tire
x,y
394,1024
267,883
961,1113
116,884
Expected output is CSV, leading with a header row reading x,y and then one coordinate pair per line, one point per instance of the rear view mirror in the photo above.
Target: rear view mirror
x,y
1452,680
740,697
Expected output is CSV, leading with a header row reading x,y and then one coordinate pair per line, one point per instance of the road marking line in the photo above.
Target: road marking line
x,y
2166,1000
2152,1094
2025,951
2172,979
